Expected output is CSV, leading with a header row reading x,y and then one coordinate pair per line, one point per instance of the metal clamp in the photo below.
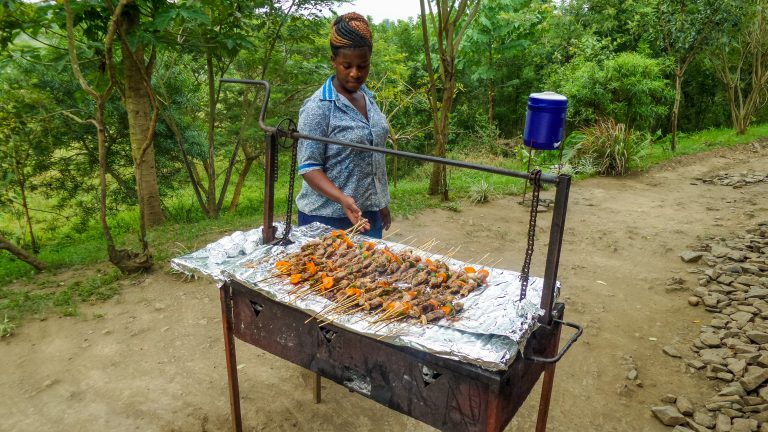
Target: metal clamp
x,y
555,359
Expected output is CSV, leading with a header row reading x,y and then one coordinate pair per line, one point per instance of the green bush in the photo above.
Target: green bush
x,y
629,88
608,147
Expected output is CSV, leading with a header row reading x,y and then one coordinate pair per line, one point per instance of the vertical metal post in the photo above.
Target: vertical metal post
x,y
555,245
270,159
549,381
227,321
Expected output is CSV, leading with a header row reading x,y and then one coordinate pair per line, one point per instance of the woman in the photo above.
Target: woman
x,y
342,186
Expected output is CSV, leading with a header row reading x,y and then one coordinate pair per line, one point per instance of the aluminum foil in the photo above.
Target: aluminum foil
x,y
488,332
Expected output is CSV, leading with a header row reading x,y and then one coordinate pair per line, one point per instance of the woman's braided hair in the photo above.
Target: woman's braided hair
x,y
350,30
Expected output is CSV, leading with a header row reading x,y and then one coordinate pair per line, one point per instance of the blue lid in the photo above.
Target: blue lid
x,y
548,99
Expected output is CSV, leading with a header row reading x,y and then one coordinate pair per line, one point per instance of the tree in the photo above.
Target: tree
x,y
126,260
629,88
21,254
449,22
685,28
741,62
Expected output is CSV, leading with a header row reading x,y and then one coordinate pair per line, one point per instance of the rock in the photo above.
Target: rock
x,y
725,279
679,428
684,406
710,339
704,418
756,408
668,415
691,256
723,423
749,280
744,425
741,318
695,427
763,392
737,367
669,398
753,380
760,293
632,375
758,337
763,360
671,351
731,390
718,251
725,376
718,323
732,413
694,301
696,364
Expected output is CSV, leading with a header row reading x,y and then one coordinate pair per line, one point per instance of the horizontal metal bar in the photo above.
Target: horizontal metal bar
x,y
545,178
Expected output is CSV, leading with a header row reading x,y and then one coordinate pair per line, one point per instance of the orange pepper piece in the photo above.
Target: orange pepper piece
x,y
412,294
295,278
327,282
483,274
446,309
469,269
283,266
311,268
442,276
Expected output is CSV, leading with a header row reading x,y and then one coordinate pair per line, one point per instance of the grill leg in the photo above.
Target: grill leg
x,y
229,349
548,383
316,390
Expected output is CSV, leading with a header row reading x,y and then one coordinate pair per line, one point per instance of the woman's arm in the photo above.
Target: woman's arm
x,y
323,185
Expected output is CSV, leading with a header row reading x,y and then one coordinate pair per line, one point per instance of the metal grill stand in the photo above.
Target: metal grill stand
x,y
447,394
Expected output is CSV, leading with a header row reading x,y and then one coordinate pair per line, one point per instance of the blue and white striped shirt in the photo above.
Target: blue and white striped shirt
x,y
359,174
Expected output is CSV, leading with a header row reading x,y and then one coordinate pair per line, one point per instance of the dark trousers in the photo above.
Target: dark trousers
x,y
374,218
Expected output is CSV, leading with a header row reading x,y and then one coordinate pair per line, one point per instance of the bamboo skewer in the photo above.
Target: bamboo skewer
x,y
390,234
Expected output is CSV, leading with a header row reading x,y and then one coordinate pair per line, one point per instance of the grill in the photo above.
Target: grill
x,y
444,392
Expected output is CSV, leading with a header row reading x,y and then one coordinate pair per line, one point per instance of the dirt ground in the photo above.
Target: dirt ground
x,y
152,358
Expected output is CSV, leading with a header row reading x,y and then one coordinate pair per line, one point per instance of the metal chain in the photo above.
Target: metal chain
x,y
535,178
284,134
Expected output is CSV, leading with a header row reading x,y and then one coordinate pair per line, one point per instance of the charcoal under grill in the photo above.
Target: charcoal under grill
x,y
446,393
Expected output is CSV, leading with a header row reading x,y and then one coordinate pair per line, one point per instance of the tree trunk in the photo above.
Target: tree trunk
x,y
213,212
676,108
139,109
22,181
438,182
239,185
491,89
21,254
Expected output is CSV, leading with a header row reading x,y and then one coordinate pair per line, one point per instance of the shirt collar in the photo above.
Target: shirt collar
x,y
329,93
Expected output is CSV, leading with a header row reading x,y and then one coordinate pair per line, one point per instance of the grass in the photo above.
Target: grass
x,y
188,229
702,141
17,304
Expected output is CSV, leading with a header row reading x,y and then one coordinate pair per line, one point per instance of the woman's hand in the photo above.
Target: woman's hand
x,y
386,218
354,214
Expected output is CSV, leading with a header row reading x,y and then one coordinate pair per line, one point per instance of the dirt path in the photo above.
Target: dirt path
x,y
152,359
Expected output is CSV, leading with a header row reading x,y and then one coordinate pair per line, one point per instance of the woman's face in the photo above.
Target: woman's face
x,y
351,66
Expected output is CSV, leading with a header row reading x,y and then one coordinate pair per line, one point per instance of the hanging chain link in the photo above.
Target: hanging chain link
x,y
284,134
535,178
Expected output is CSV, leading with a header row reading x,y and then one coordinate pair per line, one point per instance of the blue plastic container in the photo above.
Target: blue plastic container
x,y
545,121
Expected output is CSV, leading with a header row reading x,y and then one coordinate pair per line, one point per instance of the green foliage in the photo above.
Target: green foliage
x,y
629,87
6,327
18,304
610,147
481,192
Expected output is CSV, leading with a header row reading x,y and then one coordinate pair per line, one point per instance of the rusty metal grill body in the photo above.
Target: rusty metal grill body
x,y
444,393
447,394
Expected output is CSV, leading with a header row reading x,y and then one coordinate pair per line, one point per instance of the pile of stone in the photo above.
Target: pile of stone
x,y
733,348
735,180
